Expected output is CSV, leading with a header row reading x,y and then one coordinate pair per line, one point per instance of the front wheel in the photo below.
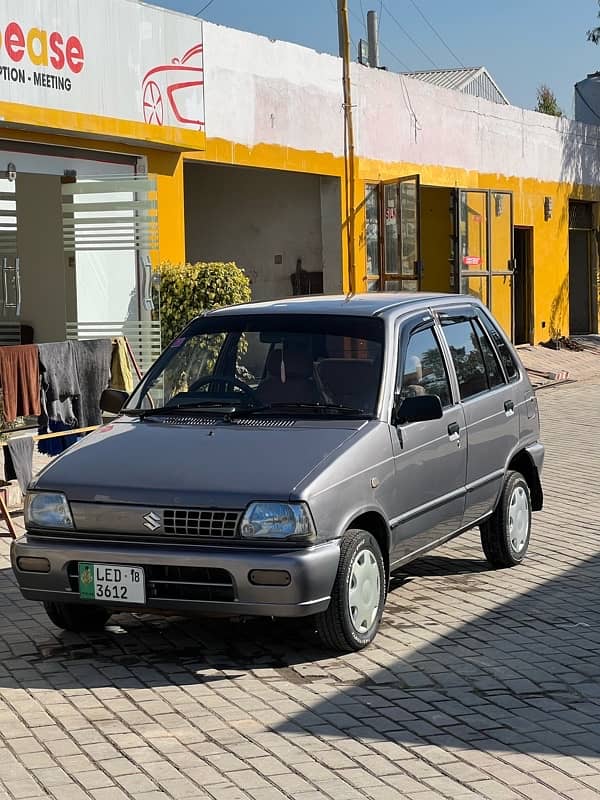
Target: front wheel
x,y
505,535
352,618
77,617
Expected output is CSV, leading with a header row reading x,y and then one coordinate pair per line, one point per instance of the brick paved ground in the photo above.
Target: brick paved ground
x,y
481,684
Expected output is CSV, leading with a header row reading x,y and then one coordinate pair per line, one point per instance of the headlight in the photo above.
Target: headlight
x,y
47,510
278,521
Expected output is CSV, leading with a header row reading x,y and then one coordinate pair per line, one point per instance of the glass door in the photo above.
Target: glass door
x,y
485,250
10,278
501,259
473,244
401,247
110,227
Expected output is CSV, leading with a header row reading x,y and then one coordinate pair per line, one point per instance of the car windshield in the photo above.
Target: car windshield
x,y
297,364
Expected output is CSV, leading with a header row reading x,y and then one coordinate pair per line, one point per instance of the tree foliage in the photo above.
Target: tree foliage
x,y
593,34
547,102
187,290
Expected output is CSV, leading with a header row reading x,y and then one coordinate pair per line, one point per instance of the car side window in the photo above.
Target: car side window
x,y
423,368
511,369
467,357
492,365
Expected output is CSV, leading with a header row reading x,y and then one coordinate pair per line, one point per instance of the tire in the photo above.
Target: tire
x,y
505,535
77,617
338,626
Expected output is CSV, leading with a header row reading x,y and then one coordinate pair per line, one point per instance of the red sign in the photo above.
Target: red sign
x,y
472,261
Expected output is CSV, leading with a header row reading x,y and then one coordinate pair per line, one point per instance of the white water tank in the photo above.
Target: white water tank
x,y
587,99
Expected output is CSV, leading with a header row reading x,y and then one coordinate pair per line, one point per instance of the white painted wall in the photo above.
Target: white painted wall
x,y
250,216
263,91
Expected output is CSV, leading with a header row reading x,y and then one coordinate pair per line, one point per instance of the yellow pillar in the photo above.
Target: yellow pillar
x,y
168,168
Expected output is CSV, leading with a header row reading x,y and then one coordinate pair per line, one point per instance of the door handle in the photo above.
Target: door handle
x,y
454,431
4,284
18,286
509,408
148,302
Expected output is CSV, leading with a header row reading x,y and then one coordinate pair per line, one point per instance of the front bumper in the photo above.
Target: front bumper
x,y
312,573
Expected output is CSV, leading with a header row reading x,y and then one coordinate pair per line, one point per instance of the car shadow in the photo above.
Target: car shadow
x,y
519,675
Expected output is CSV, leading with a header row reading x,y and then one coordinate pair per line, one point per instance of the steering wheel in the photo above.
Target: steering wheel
x,y
226,380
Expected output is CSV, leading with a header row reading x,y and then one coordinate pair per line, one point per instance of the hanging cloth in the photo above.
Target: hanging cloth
x,y
18,461
20,378
120,370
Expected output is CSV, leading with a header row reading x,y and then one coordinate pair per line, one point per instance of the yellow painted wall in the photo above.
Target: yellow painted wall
x,y
550,238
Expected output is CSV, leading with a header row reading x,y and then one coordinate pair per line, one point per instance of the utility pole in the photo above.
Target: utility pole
x,y
344,36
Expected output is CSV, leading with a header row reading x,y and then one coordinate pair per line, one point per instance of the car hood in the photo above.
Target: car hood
x,y
223,466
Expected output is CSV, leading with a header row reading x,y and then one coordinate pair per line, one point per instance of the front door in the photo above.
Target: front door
x,y
10,283
485,250
430,457
400,222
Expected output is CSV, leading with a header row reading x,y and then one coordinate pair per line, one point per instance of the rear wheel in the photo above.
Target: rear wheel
x,y
352,619
77,617
505,535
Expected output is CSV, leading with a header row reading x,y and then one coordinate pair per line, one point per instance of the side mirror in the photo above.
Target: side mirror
x,y
421,408
112,400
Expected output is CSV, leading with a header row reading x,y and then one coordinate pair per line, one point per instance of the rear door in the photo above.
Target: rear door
x,y
430,457
488,400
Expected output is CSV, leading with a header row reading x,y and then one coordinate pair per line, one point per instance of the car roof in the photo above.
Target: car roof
x,y
366,305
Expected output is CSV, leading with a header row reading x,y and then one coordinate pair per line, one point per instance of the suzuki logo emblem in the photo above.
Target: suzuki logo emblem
x,y
151,521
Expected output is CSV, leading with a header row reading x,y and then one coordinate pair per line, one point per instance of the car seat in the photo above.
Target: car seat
x,y
289,378
348,381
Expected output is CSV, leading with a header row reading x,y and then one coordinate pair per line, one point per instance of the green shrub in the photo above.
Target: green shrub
x,y
187,290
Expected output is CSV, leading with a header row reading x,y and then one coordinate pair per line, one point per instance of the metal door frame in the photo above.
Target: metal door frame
x,y
490,272
418,271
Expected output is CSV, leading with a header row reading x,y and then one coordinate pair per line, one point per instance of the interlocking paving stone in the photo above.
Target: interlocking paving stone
x,y
482,683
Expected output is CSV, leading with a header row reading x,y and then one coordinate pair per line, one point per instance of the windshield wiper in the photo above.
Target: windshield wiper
x,y
321,407
203,405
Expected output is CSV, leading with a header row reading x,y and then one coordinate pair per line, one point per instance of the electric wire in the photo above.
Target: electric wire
x,y
204,7
408,36
439,36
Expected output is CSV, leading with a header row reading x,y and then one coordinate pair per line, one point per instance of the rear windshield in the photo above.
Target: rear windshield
x,y
272,360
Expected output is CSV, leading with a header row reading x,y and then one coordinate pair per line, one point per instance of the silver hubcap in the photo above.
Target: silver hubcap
x,y
518,519
364,591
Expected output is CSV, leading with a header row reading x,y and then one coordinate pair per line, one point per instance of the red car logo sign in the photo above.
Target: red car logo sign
x,y
173,93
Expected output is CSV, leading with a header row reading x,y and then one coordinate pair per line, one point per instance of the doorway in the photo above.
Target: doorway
x,y
579,282
523,276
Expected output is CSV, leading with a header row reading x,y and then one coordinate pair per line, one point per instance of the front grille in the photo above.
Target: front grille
x,y
190,522
177,583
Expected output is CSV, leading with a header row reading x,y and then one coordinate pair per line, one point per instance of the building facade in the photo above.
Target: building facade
x,y
131,135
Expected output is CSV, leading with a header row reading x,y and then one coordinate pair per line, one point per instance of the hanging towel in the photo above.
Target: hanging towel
x,y
18,461
20,378
92,362
59,387
120,371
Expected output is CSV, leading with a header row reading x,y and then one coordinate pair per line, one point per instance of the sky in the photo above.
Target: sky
x,y
523,43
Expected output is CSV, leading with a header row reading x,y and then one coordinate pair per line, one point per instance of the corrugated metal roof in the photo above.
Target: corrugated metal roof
x,y
470,80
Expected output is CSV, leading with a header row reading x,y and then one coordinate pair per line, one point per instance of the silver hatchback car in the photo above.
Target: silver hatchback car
x,y
283,459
